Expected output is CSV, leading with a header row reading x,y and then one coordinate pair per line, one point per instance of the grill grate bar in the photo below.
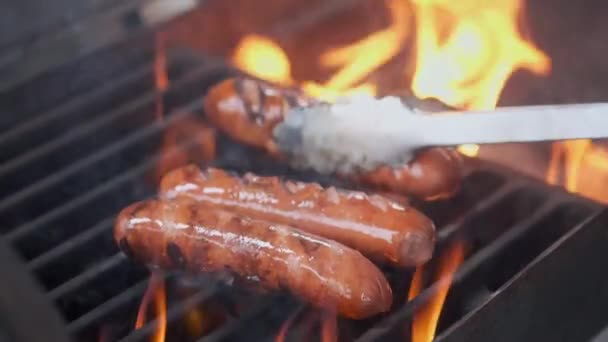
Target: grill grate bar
x,y
75,241
470,264
107,151
448,230
77,102
510,235
89,274
74,135
173,314
67,207
132,293
131,174
230,327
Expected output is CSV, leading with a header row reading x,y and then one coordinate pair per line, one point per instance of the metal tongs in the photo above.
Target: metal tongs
x,y
383,134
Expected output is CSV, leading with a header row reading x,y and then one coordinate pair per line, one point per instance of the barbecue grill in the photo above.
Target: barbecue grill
x,y
79,140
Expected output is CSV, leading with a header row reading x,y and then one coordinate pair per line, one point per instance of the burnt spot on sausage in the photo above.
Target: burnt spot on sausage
x,y
176,255
125,248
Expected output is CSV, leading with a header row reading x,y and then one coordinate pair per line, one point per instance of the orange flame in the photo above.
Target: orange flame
x,y
426,319
263,58
161,77
286,325
196,322
469,66
359,59
584,167
155,292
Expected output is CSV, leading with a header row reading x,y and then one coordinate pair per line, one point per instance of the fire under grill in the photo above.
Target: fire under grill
x,y
82,141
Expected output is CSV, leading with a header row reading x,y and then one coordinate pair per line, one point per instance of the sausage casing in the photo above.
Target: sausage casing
x,y
183,234
432,174
378,227
248,110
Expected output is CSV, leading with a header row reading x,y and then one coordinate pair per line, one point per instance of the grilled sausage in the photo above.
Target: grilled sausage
x,y
186,235
376,226
433,174
248,110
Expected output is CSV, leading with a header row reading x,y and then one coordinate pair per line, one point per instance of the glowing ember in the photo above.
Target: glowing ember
x,y
466,51
263,58
156,293
426,319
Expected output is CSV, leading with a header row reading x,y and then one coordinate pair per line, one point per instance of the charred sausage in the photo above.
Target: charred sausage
x,y
248,110
186,235
378,227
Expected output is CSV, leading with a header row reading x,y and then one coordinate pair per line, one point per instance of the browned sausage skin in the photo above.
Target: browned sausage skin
x,y
433,174
248,110
374,225
183,234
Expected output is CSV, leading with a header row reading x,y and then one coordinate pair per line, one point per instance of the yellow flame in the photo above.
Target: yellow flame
x,y
156,292
359,59
469,150
425,320
469,66
584,167
263,58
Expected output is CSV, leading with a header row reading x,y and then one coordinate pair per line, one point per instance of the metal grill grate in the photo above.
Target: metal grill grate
x,y
70,160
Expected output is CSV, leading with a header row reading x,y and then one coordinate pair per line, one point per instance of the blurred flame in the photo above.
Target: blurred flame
x,y
161,77
469,150
329,327
425,320
466,51
155,292
263,58
285,327
196,322
359,59
105,334
584,167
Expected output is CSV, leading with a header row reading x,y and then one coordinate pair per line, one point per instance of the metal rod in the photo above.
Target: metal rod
x,y
347,137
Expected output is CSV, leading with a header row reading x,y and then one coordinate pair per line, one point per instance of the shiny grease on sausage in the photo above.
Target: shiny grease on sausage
x,y
433,174
248,110
183,234
378,227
